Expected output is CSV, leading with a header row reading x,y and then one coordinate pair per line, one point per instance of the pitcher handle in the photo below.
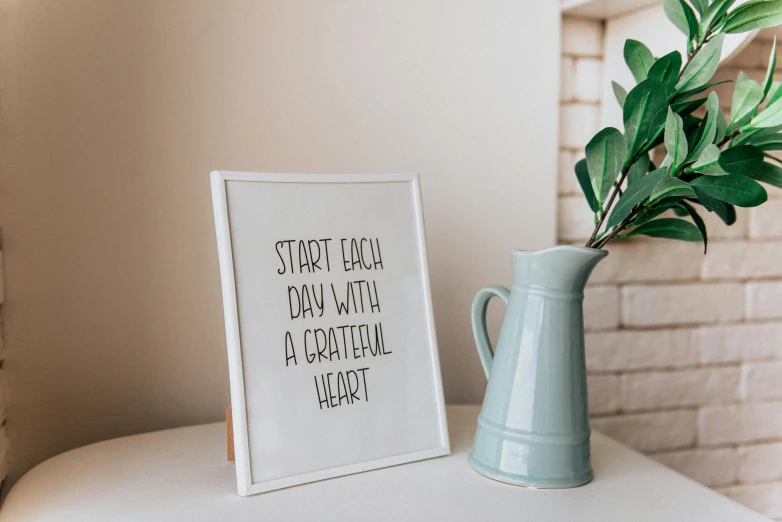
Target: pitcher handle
x,y
479,306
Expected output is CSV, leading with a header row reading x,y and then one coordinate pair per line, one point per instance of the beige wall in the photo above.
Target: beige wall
x,y
684,351
113,114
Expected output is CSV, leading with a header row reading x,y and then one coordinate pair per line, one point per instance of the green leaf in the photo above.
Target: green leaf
x,y
715,12
700,6
681,15
620,93
742,160
734,189
644,112
656,209
582,174
708,127
703,65
675,140
691,129
666,69
687,107
694,135
708,202
746,97
774,93
771,116
679,209
638,58
671,187
765,139
772,66
725,212
759,138
770,144
636,194
656,135
692,21
639,168
684,95
768,173
696,218
670,228
708,162
754,15
746,136
722,126
605,156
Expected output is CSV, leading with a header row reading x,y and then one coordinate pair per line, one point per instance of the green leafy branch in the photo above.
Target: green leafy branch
x,y
710,161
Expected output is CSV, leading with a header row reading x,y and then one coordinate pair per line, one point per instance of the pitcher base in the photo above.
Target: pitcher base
x,y
528,481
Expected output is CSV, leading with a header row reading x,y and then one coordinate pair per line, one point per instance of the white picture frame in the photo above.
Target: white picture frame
x,y
248,206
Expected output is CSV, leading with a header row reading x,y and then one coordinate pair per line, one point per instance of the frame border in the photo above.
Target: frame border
x,y
244,482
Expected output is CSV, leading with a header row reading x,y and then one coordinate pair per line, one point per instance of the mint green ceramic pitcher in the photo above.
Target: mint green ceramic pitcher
x,y
533,429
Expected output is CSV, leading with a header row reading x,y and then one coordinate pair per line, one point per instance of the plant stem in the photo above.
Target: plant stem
x,y
727,138
693,53
610,202
626,221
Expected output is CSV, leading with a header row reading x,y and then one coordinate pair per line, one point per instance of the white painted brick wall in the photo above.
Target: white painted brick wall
x,y
567,81
684,352
754,55
4,453
651,431
3,399
603,393
578,122
568,184
743,259
762,380
575,219
582,37
761,463
765,220
662,305
581,79
764,300
601,307
763,498
663,389
587,73
719,230
712,467
741,342
640,349
628,262
768,36
3,396
2,279
751,422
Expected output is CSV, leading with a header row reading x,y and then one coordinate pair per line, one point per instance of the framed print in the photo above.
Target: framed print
x,y
331,342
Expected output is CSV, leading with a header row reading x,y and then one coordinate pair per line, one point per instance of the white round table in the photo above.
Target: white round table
x,y
182,475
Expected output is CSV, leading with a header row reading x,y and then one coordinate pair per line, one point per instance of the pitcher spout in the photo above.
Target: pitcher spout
x,y
562,268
